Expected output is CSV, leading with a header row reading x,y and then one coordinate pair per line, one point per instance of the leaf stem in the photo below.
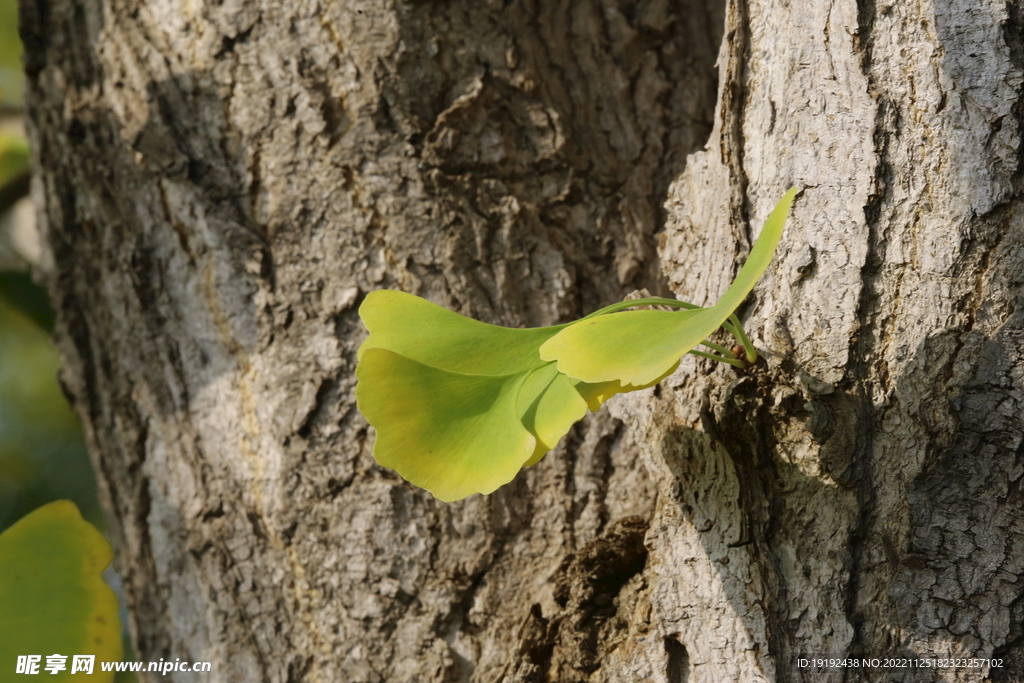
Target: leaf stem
x,y
720,349
731,361
742,337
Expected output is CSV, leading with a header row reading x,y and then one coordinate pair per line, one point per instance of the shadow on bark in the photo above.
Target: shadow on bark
x,y
929,573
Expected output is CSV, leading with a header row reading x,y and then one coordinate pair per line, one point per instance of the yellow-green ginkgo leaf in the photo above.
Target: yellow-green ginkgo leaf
x,y
637,347
549,406
433,335
53,599
450,433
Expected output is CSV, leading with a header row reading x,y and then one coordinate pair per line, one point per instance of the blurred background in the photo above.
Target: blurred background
x,y
42,451
42,455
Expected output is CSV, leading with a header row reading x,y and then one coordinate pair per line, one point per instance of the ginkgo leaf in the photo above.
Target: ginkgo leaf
x,y
632,347
450,433
549,406
433,335
52,595
637,347
424,332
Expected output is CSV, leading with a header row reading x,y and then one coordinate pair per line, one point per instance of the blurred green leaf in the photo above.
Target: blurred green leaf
x,y
20,292
13,158
11,77
42,452
28,373
53,599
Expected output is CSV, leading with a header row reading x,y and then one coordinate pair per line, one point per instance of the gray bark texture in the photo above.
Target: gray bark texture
x,y
220,182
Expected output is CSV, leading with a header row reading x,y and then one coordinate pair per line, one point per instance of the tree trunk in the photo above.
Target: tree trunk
x,y
221,182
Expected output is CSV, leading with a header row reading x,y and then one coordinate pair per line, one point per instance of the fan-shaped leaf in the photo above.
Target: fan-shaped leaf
x,y
631,347
433,335
637,347
450,433
425,333
52,595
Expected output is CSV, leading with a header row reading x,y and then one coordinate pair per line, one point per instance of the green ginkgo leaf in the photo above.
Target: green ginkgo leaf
x,y
53,599
433,335
439,338
436,338
455,434
637,347
450,433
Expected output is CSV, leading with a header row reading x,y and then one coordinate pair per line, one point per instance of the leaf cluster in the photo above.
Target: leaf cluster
x,y
461,406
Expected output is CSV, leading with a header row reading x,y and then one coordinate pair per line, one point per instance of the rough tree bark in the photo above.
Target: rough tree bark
x,y
220,183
